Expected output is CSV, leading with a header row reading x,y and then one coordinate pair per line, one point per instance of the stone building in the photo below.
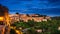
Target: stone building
x,y
4,20
25,18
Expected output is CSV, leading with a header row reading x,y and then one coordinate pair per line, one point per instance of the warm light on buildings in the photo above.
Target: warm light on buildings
x,y
25,18
1,18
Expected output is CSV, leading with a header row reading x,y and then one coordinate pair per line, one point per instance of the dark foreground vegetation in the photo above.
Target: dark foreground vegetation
x,y
31,27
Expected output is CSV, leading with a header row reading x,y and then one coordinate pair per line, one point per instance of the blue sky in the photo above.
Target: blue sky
x,y
47,7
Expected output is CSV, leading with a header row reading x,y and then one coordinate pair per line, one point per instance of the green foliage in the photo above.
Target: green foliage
x,y
21,24
31,31
49,27
31,23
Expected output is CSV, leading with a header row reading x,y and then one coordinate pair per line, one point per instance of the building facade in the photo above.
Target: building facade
x,y
25,18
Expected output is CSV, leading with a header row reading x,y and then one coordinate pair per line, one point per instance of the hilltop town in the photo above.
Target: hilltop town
x,y
26,17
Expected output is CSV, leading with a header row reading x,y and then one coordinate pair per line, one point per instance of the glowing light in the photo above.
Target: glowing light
x,y
1,18
58,28
20,28
17,31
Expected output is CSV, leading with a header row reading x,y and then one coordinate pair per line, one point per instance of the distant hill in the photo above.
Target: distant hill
x,y
56,17
36,15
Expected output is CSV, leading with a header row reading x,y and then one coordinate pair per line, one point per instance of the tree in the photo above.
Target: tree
x,y
12,31
31,23
18,15
27,15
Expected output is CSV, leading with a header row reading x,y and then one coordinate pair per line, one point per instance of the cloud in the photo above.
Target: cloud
x,y
24,0
53,11
16,2
50,11
33,6
1,0
53,1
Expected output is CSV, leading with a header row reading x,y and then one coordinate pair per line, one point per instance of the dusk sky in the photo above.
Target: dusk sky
x,y
46,7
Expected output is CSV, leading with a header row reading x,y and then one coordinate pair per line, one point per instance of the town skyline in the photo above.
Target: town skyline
x,y
29,16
